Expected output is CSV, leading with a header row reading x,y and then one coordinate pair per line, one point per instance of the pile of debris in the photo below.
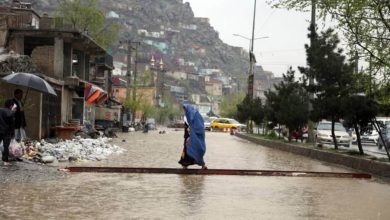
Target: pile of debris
x,y
11,62
71,150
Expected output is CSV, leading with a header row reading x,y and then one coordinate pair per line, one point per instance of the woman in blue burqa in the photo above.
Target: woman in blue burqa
x,y
194,138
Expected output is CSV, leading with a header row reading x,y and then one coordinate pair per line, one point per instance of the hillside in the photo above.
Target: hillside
x,y
170,27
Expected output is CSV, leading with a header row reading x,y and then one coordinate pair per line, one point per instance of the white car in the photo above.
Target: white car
x,y
207,122
323,134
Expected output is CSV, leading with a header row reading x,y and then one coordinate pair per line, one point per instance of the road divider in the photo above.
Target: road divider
x,y
286,173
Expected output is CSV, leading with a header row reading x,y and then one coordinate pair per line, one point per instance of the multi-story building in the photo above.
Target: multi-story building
x,y
71,61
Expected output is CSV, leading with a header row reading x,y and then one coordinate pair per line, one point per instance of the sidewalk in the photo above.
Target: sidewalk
x,y
368,149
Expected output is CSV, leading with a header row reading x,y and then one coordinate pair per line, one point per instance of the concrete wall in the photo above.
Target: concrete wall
x,y
59,57
68,51
17,45
66,105
3,31
370,166
147,94
43,58
119,93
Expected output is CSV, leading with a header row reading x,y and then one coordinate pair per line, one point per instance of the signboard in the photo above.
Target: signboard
x,y
107,114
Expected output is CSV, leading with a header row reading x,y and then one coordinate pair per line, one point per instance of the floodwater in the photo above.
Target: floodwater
x,y
162,196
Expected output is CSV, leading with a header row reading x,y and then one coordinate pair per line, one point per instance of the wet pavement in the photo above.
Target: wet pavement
x,y
162,196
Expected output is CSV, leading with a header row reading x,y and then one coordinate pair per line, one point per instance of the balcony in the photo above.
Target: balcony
x,y
106,60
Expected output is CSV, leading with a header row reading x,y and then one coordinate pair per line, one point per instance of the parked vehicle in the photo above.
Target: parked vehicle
x,y
151,122
222,123
176,124
386,138
207,123
323,134
301,134
369,135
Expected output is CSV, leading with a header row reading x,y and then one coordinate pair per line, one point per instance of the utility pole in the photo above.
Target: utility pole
x,y
251,58
135,74
128,72
312,26
370,82
130,49
311,78
356,62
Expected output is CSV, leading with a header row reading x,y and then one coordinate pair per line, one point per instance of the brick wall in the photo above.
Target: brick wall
x,y
43,58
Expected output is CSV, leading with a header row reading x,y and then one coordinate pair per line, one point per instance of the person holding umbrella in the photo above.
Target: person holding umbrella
x,y
30,81
7,128
20,119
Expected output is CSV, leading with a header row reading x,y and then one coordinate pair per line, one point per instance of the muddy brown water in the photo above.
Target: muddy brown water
x,y
161,196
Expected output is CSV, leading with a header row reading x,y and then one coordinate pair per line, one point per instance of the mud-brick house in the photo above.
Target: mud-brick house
x,y
71,61
119,88
213,87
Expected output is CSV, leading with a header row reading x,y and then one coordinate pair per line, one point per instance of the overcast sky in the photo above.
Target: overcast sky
x,y
287,30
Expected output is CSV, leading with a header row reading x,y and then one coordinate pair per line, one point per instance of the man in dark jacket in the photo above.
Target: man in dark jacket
x,y
20,119
7,127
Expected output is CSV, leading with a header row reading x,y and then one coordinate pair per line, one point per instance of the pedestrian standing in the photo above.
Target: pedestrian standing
x,y
7,128
20,119
194,138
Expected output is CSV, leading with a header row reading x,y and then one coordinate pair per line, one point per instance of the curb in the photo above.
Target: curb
x,y
366,165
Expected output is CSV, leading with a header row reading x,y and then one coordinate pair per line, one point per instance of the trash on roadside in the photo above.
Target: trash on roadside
x,y
70,150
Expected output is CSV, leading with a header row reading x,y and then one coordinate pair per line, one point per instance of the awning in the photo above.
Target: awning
x,y
94,94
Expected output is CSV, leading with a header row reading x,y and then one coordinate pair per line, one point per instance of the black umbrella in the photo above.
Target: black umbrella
x,y
30,81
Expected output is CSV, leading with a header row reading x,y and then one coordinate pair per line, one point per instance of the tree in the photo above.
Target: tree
x,y
359,111
167,112
228,106
146,78
85,16
250,110
333,76
133,105
271,108
288,105
243,109
258,112
365,24
383,98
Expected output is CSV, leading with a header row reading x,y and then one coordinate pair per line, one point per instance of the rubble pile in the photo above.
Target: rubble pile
x,y
71,150
10,62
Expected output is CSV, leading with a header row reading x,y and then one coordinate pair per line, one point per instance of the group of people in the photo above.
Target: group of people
x,y
12,123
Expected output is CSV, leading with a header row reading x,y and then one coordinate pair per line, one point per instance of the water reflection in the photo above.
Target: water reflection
x,y
191,193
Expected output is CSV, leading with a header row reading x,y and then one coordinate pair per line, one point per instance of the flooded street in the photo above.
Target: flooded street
x,y
160,196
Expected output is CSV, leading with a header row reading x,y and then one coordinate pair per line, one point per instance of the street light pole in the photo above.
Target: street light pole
x,y
130,48
250,40
251,56
160,78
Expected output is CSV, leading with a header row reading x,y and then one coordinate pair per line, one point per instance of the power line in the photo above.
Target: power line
x,y
284,50
266,20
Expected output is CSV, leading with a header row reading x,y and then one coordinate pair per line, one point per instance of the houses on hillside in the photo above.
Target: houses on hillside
x,y
264,81
90,86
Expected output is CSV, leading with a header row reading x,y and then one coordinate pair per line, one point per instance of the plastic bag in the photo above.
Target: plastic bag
x,y
15,149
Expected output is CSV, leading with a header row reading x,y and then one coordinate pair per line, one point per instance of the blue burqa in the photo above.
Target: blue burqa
x,y
196,147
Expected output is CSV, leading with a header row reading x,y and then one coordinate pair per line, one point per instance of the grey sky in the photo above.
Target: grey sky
x,y
287,30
